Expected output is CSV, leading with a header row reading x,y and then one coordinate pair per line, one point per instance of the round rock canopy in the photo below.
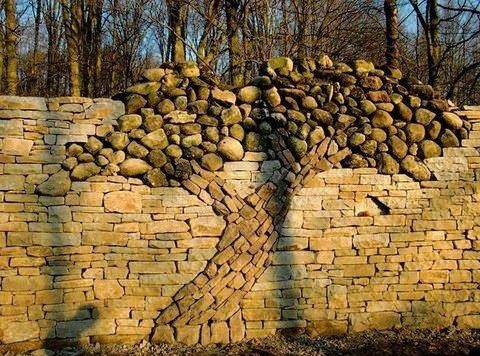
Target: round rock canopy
x,y
350,115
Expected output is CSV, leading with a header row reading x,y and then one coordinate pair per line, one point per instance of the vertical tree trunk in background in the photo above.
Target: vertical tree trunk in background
x,y
71,21
177,21
97,45
434,48
2,57
302,19
232,11
33,71
11,46
206,49
52,17
391,20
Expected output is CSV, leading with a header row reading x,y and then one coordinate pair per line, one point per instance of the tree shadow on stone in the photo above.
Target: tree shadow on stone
x,y
73,331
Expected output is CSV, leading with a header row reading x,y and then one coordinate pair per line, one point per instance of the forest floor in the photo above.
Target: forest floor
x,y
395,342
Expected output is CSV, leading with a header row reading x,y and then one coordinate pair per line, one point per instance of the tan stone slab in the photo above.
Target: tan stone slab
x,y
22,103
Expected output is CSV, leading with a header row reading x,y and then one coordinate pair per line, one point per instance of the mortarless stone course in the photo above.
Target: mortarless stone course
x,y
110,258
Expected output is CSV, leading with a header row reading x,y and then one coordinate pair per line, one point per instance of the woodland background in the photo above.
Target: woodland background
x,y
98,47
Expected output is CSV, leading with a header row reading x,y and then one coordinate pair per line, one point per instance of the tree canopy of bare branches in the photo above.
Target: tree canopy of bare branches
x,y
98,47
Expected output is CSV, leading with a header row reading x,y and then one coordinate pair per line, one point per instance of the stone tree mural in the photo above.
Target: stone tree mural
x,y
312,115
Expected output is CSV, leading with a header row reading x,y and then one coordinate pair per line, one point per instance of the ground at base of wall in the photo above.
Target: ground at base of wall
x,y
394,342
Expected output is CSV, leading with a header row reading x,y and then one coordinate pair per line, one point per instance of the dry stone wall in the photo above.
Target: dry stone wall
x,y
111,259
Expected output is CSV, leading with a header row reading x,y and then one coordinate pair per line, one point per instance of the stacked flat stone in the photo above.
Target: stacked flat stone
x,y
357,115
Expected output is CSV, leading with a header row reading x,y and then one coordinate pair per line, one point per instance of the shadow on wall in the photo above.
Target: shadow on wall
x,y
73,328
68,314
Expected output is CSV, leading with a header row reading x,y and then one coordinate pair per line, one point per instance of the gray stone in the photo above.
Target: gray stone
x,y
57,185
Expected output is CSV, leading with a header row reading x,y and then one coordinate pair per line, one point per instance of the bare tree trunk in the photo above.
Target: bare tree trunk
x,y
52,25
302,22
391,19
71,21
232,11
2,57
434,48
177,21
206,53
97,47
33,72
11,46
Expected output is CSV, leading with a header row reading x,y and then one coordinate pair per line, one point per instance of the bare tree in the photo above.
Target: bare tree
x,y
430,24
11,46
177,22
391,21
2,51
71,14
52,18
233,18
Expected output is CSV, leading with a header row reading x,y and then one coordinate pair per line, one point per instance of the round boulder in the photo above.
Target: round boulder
x,y
448,139
429,149
84,171
134,167
424,116
415,132
403,112
231,149
57,185
398,147
249,94
382,119
129,122
212,162
452,120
